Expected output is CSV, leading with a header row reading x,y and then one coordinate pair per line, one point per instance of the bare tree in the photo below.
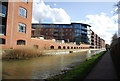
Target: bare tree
x,y
37,31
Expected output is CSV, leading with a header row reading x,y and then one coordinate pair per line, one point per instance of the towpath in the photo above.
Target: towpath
x,y
103,70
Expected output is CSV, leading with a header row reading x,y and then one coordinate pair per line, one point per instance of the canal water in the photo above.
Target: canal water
x,y
42,67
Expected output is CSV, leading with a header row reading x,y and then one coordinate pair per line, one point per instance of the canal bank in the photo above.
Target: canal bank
x,y
25,53
78,72
42,67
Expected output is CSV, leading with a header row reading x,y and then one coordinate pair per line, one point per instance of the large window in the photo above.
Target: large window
x,y
21,28
3,10
22,12
2,30
20,42
2,41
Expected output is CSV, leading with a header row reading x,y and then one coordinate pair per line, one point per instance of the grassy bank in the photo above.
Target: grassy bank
x,y
79,72
21,53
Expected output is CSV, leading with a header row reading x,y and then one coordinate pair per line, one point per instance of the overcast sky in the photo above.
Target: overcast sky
x,y
100,15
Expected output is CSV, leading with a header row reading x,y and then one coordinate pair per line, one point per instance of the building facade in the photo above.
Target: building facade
x,y
96,41
16,23
74,32
15,30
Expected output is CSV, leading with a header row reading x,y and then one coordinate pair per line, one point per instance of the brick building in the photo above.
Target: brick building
x,y
74,32
96,41
15,28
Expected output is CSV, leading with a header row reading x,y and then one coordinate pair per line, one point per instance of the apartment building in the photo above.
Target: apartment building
x,y
96,41
74,32
15,28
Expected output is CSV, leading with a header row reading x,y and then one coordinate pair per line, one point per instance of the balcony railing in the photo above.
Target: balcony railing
x,y
84,32
84,28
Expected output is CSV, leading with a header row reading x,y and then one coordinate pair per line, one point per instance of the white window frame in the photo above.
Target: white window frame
x,y
22,12
22,25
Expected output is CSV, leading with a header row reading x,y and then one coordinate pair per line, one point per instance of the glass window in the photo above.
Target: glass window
x,y
46,33
20,42
61,25
56,30
77,31
66,34
25,1
22,12
46,29
70,33
3,10
2,30
21,28
77,26
2,41
56,25
34,25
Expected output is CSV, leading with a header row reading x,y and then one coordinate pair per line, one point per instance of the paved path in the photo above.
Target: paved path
x,y
104,69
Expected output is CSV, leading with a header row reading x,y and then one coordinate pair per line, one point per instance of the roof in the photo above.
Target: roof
x,y
59,24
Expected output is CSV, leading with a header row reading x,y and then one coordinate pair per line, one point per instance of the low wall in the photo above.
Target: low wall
x,y
62,51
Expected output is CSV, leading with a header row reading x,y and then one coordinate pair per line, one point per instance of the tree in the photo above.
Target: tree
x,y
118,12
114,39
37,32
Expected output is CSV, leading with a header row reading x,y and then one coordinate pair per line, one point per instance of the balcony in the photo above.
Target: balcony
x,y
92,38
84,28
83,32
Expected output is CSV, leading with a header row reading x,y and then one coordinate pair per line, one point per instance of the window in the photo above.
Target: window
x,y
21,28
70,33
76,25
2,30
2,41
20,42
25,1
3,9
46,29
22,12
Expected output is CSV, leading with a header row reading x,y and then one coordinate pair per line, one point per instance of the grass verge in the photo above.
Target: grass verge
x,y
79,72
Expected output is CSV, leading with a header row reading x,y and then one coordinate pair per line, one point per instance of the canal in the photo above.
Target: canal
x,y
42,67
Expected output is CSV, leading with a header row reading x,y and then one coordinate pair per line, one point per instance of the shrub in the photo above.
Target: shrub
x,y
22,53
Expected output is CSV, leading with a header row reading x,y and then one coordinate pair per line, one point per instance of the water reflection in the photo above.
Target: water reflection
x,y
42,67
